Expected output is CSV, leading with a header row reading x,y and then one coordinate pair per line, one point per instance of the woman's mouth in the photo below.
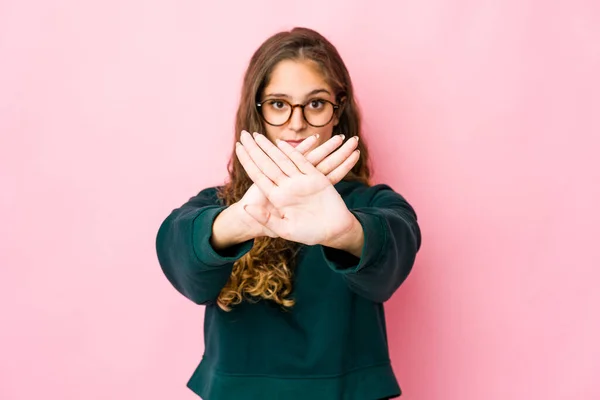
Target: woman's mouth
x,y
294,143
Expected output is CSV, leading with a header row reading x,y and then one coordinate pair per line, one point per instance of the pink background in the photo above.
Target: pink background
x,y
485,115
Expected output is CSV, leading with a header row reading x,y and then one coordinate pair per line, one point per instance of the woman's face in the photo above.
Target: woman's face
x,y
298,82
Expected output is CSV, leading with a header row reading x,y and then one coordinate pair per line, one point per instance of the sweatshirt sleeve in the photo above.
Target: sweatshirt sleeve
x,y
185,254
392,238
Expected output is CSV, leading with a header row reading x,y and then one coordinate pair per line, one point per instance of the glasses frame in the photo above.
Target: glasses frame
x,y
293,107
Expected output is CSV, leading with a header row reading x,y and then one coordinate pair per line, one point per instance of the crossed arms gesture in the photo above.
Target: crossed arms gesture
x,y
293,196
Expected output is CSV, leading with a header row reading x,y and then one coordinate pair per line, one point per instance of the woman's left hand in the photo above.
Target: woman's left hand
x,y
311,211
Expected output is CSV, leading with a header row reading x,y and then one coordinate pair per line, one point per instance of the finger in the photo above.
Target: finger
x,y
283,162
254,173
340,172
298,159
265,218
260,215
336,159
271,234
261,160
308,143
318,154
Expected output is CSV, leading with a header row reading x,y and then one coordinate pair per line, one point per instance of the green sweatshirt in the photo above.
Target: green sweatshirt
x,y
332,344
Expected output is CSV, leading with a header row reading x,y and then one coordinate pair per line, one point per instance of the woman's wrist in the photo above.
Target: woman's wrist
x,y
352,240
229,228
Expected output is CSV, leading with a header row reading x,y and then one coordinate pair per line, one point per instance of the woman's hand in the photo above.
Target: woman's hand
x,y
304,205
325,159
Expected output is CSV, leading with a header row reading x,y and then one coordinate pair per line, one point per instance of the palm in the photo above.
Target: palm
x,y
301,203
311,209
323,161
255,198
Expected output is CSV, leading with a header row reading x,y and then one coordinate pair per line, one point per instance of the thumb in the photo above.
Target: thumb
x,y
270,221
258,213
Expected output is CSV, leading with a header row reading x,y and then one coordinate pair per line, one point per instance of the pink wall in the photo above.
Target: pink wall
x,y
486,115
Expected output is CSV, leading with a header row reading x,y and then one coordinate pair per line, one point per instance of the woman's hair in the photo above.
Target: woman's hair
x,y
266,271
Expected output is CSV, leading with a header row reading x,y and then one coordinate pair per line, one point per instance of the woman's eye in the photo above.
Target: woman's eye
x,y
316,104
277,104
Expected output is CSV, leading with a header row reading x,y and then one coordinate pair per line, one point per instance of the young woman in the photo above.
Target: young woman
x,y
295,255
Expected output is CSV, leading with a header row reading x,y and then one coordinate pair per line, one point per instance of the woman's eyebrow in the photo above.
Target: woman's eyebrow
x,y
312,93
317,91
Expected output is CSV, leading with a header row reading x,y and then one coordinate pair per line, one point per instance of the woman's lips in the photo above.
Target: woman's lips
x,y
294,142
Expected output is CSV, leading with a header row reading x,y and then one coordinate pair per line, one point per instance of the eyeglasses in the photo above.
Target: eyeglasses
x,y
317,112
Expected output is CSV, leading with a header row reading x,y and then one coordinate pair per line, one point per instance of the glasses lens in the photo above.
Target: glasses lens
x,y
318,112
276,112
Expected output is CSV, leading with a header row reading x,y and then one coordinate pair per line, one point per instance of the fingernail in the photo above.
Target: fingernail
x,y
317,135
342,136
357,138
255,134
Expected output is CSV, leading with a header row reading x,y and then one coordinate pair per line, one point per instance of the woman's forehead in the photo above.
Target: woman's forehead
x,y
296,79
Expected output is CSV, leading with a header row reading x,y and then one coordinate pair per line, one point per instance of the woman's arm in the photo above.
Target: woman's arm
x,y
197,245
390,240
227,230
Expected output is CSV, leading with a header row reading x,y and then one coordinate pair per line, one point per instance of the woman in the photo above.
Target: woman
x,y
294,256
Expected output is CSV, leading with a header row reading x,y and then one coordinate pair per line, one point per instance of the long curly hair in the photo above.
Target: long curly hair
x,y
266,271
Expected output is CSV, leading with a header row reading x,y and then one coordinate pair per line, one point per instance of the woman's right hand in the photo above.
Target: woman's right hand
x,y
234,225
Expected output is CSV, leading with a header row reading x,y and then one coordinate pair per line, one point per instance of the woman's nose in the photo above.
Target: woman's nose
x,y
297,121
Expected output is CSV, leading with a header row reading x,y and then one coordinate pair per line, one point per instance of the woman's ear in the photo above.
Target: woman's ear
x,y
340,110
